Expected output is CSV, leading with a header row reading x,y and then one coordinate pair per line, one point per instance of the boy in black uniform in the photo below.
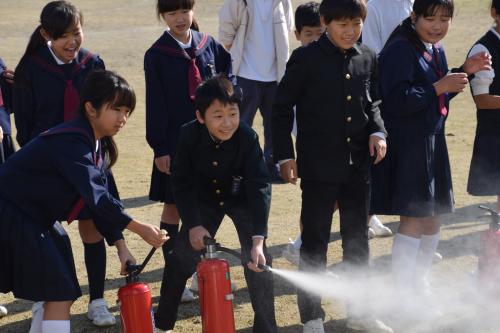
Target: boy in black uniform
x,y
333,84
219,170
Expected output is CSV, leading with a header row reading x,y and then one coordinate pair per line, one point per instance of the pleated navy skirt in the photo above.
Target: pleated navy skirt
x,y
37,263
161,187
414,179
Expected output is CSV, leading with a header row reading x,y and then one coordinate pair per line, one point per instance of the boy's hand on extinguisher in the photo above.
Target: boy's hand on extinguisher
x,y
257,254
197,237
124,255
149,233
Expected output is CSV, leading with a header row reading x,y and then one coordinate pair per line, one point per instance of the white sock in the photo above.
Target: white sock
x,y
404,254
297,243
428,246
36,321
56,326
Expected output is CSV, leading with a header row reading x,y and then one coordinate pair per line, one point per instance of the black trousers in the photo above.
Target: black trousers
x,y
318,202
182,262
259,95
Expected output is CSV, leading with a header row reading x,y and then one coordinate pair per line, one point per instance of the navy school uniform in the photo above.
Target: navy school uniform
x,y
40,184
484,173
39,95
7,147
202,180
168,104
414,179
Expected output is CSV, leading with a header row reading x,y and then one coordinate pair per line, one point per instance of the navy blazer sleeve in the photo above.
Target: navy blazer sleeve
x,y
156,108
74,161
184,182
287,95
257,186
401,93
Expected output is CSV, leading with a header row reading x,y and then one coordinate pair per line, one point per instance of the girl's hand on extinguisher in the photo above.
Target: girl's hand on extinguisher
x,y
257,254
149,233
124,255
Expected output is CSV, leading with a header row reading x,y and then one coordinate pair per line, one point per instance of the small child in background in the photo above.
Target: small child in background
x,y
484,174
6,143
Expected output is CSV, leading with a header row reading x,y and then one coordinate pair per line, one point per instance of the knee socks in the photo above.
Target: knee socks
x,y
173,231
95,262
404,254
428,246
56,326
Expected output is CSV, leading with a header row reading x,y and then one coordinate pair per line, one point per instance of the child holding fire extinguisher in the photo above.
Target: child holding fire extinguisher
x,y
35,254
484,174
219,170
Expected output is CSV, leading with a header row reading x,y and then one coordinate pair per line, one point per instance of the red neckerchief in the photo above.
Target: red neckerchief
x,y
194,75
435,64
71,96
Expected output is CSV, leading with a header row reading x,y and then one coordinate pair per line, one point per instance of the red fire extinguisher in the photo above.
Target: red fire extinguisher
x,y
216,298
489,257
134,300
214,283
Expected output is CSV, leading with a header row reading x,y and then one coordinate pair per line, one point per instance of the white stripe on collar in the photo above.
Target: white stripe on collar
x,y
58,61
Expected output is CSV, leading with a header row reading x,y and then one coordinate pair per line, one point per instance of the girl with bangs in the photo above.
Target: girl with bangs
x,y
35,253
174,66
414,179
47,83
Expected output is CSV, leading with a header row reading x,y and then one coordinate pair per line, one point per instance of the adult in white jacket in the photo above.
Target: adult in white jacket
x,y
256,34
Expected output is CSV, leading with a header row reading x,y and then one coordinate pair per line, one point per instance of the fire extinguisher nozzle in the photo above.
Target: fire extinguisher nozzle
x,y
265,268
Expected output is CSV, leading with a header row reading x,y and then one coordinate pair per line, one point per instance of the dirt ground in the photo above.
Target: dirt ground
x,y
121,31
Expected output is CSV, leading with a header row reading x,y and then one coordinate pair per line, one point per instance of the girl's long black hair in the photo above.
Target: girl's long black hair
x,y
101,88
56,18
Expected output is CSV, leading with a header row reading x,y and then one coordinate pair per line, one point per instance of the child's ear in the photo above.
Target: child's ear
x,y
494,14
297,35
44,34
199,117
90,110
413,17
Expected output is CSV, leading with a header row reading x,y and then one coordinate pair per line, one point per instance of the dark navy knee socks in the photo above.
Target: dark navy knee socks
x,y
95,262
173,231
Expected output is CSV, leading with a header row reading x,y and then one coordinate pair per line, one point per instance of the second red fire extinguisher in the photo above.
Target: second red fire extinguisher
x,y
489,257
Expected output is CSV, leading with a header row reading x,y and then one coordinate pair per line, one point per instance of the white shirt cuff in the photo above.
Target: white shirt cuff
x,y
284,161
379,134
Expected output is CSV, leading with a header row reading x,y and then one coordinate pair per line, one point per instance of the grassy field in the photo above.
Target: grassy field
x,y
121,31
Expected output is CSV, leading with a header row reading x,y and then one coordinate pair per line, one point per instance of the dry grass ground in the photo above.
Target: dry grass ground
x,y
121,31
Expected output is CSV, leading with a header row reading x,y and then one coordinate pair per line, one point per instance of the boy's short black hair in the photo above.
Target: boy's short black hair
x,y
216,88
307,15
342,9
